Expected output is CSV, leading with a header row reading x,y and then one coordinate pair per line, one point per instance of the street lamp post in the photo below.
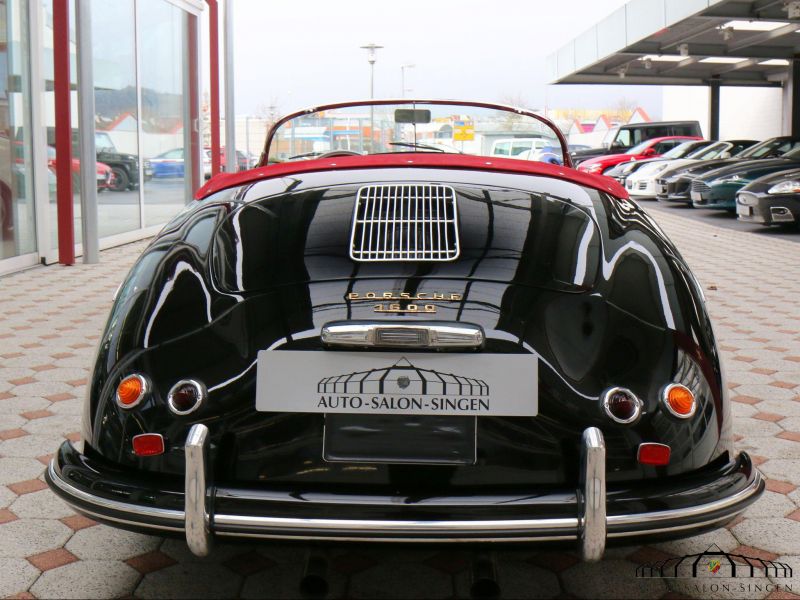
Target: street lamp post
x,y
371,48
403,78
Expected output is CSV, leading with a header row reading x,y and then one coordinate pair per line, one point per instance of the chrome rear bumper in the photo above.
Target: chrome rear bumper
x,y
590,528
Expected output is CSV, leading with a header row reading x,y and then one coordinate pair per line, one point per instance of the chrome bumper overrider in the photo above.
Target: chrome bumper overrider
x,y
591,527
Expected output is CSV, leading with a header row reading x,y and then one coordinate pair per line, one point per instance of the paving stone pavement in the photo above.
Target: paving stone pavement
x,y
50,320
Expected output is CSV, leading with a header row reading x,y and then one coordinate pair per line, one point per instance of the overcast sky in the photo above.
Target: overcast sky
x,y
295,54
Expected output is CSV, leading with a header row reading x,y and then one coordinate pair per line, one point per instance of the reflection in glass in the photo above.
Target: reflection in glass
x,y
162,30
17,226
116,116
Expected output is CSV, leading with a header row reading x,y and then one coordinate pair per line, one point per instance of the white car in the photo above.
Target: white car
x,y
547,154
513,147
642,182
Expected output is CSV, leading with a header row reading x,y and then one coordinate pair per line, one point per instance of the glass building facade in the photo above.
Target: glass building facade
x,y
144,59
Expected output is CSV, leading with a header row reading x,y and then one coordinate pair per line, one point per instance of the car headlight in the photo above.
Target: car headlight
x,y
785,187
736,178
659,168
596,168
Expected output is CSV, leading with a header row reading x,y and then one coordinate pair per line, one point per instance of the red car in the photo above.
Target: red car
x,y
647,149
105,174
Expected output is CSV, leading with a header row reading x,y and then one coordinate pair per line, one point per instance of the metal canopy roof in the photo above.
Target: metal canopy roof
x,y
685,42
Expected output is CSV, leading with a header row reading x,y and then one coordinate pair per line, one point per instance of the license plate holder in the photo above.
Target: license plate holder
x,y
696,196
395,383
400,439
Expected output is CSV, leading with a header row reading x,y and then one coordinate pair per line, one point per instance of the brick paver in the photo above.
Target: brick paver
x,y
50,319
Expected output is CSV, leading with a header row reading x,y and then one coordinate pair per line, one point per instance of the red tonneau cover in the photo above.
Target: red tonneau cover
x,y
412,159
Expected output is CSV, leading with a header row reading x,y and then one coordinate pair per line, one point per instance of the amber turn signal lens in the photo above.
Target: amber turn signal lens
x,y
131,390
679,400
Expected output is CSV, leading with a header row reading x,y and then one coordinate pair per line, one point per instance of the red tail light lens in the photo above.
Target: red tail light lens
x,y
653,454
148,444
186,396
622,405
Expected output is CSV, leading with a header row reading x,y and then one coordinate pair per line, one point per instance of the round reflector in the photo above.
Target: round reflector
x,y
622,405
186,396
679,400
131,390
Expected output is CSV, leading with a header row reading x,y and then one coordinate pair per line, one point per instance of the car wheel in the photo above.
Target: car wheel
x,y
121,180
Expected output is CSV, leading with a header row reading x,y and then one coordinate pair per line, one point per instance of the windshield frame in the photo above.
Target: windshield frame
x,y
263,160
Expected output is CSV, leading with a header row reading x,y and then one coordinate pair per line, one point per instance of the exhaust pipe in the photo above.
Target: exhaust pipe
x,y
483,573
314,582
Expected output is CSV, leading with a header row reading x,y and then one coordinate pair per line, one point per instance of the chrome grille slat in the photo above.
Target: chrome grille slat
x,y
394,222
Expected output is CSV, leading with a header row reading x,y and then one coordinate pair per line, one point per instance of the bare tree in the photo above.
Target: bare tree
x,y
622,110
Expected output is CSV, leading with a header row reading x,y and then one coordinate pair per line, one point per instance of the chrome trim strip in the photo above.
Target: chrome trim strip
x,y
400,540
102,517
378,526
114,505
198,525
444,531
386,334
593,475
615,521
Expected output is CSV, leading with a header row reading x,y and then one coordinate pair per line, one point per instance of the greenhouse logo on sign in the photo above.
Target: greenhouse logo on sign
x,y
716,572
403,387
399,383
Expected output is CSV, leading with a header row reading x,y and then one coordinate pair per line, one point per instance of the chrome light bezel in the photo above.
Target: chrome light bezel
x,y
202,394
664,397
142,394
637,403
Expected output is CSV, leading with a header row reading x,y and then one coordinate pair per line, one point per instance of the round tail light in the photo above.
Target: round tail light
x,y
679,400
622,405
186,396
131,391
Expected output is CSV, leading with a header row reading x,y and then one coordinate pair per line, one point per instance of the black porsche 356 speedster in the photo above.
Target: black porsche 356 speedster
x,y
393,329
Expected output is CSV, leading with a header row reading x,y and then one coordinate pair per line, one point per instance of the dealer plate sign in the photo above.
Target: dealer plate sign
x,y
395,383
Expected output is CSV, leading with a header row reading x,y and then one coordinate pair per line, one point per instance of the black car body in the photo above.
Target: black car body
x,y
717,189
124,166
675,185
771,200
287,327
632,134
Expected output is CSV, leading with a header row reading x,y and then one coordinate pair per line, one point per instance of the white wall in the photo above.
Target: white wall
x,y
745,113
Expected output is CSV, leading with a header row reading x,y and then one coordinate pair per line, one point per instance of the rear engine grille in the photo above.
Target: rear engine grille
x,y
700,186
405,222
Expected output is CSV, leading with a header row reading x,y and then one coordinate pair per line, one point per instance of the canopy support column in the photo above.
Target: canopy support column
x,y
791,100
713,109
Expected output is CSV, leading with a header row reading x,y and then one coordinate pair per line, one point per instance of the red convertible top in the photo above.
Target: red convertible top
x,y
412,159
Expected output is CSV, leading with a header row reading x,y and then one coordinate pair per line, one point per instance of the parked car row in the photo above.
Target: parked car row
x,y
760,182
171,162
